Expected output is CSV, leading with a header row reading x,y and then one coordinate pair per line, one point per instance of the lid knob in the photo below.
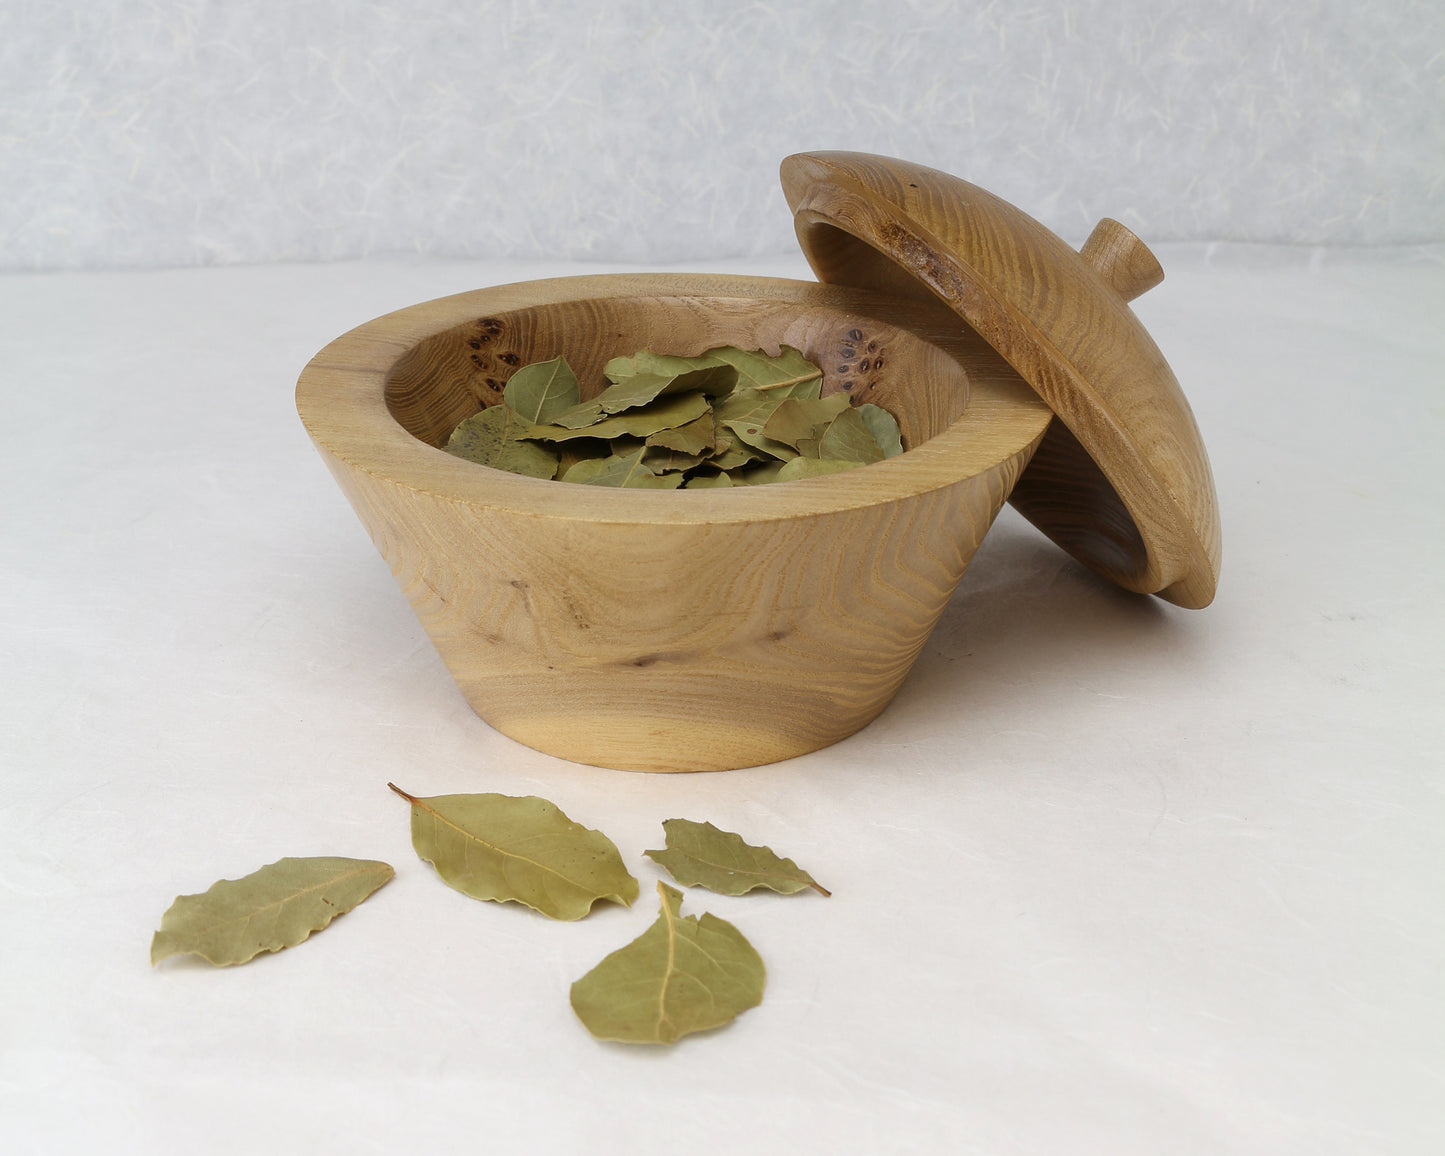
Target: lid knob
x,y
1123,260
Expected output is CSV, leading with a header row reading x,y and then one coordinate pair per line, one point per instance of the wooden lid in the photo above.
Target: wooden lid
x,y
1121,481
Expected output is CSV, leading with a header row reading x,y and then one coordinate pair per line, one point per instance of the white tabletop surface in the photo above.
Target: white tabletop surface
x,y
1108,876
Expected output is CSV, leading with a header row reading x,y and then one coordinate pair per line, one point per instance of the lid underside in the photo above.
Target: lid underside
x,y
1121,480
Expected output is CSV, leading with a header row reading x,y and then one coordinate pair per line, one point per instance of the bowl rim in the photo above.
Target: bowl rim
x,y
340,397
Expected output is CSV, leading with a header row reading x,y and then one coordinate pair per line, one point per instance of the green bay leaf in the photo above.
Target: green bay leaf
x,y
496,437
518,850
681,975
278,906
701,855
542,390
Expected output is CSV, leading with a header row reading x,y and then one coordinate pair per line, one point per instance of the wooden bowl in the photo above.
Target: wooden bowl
x,y
672,630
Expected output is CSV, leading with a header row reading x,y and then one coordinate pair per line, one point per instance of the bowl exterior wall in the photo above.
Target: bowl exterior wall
x,y
678,647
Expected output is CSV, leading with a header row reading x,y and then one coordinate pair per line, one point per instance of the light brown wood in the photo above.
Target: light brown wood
x,y
1124,261
679,630
1122,481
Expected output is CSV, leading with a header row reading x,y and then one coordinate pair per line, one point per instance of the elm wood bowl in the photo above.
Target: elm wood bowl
x,y
672,630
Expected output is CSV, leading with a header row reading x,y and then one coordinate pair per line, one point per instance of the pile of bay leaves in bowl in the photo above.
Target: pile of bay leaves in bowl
x,y
729,417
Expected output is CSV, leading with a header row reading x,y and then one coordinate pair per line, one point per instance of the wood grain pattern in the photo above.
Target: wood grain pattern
x,y
1127,486
1121,259
681,630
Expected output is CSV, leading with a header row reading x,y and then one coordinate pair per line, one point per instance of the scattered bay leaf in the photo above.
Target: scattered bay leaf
x,y
518,850
681,975
701,855
278,906
495,437
542,390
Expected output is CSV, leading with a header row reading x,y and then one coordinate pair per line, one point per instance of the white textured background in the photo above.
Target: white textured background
x,y
181,132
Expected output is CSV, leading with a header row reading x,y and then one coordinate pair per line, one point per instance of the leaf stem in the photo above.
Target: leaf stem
x,y
414,800
820,888
791,381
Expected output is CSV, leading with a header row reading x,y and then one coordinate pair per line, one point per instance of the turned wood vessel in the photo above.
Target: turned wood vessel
x,y
672,630
716,628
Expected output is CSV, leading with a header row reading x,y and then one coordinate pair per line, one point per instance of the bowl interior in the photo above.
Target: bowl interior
x,y
450,375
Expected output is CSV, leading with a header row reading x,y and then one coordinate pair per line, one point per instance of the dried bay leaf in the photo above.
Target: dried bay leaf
x,y
665,461
518,850
694,437
884,428
751,433
681,975
708,482
737,454
847,438
644,388
594,451
797,418
757,475
542,390
278,906
811,468
582,414
728,413
666,413
701,855
627,471
664,365
496,437
790,372
747,405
